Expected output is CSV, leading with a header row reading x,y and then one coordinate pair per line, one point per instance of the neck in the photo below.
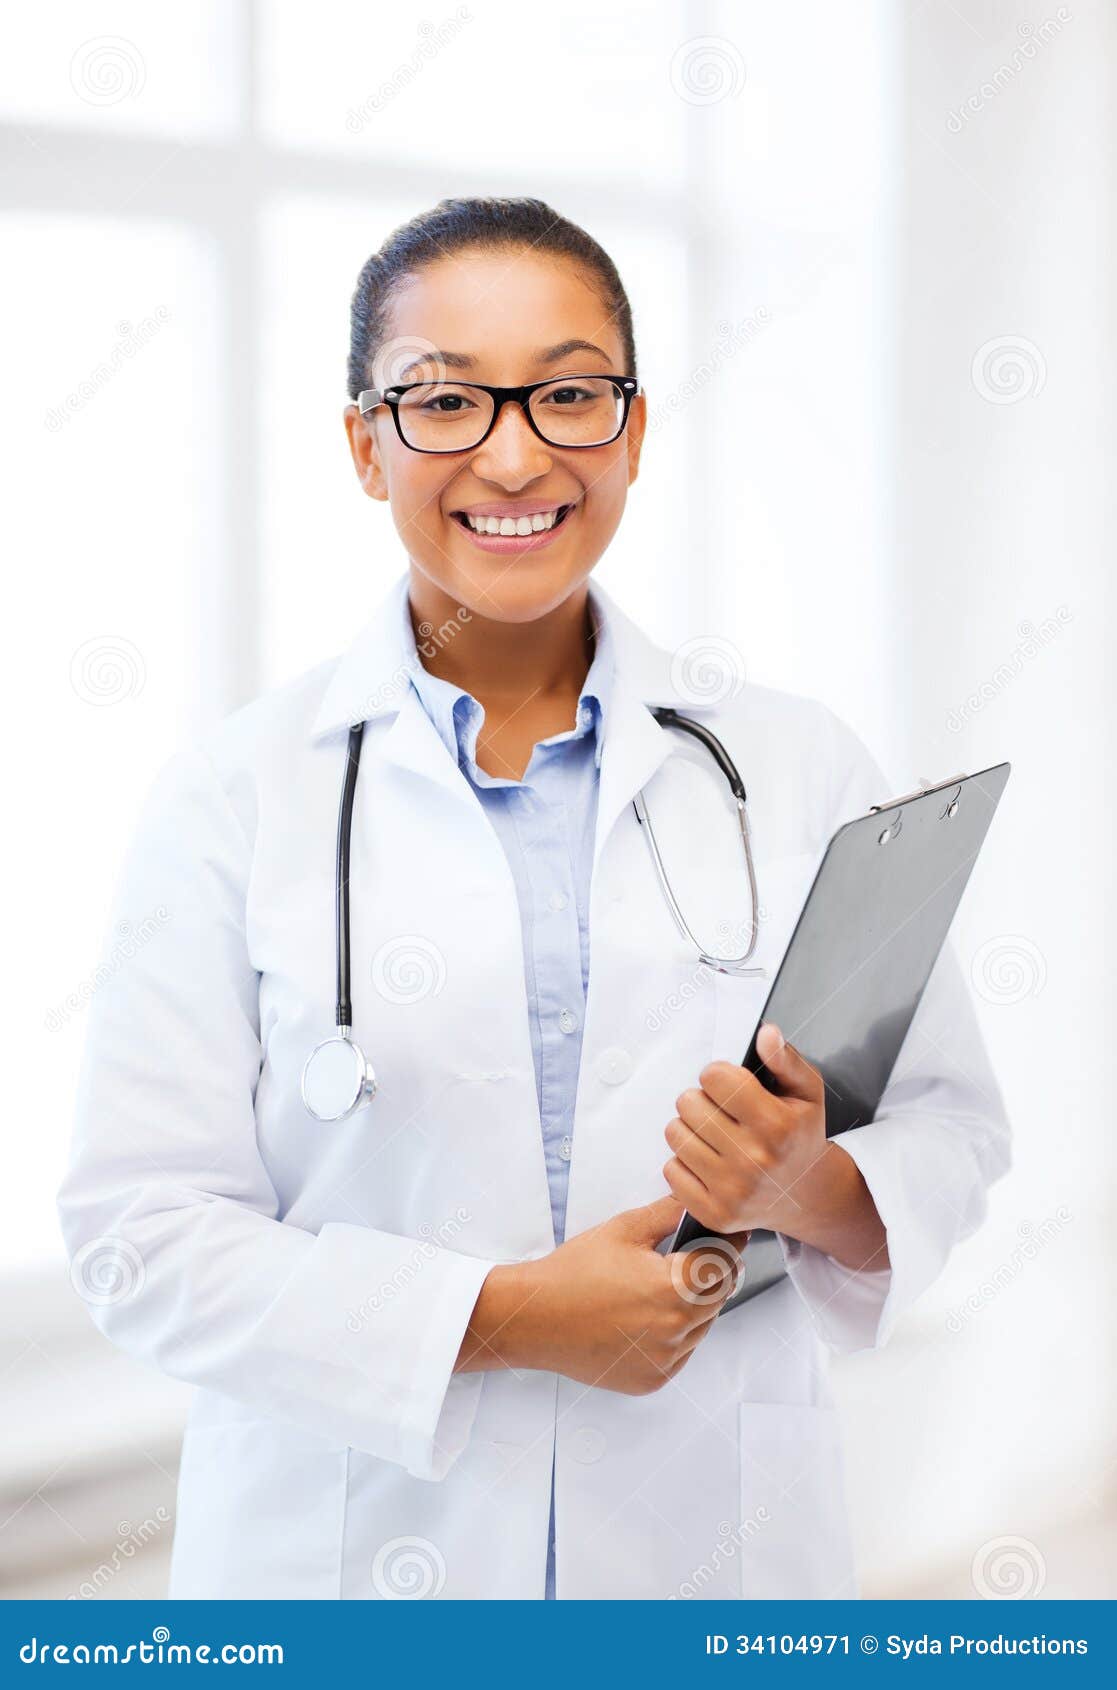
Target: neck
x,y
502,663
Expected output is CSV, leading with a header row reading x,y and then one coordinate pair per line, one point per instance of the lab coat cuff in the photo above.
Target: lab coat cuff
x,y
915,1189
845,1304
443,1404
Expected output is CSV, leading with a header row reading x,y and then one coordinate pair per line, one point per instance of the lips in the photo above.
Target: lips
x,y
509,517
509,522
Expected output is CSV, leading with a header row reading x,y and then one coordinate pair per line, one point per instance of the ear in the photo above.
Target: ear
x,y
634,434
365,450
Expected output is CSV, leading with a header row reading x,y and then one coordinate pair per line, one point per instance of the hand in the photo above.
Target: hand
x,y
604,1308
745,1157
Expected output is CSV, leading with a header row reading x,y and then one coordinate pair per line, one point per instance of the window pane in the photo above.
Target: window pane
x,y
577,92
138,68
108,338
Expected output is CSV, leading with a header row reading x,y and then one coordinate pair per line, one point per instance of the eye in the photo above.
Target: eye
x,y
447,403
568,395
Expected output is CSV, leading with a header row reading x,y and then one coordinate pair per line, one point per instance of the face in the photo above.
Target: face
x,y
505,318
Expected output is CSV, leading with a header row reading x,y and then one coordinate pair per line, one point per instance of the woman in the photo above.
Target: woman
x,y
438,1350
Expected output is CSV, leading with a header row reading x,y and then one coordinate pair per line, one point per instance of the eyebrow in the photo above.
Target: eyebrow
x,y
465,360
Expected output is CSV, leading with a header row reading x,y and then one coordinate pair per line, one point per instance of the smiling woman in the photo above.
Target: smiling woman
x,y
526,1358
537,325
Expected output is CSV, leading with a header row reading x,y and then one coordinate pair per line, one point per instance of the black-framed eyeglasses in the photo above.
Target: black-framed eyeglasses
x,y
456,416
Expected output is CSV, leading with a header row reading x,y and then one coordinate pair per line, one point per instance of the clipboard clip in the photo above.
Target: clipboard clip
x,y
921,791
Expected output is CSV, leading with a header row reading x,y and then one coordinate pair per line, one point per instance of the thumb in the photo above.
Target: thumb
x,y
653,1221
788,1066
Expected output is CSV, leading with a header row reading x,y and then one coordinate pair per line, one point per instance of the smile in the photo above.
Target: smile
x,y
508,532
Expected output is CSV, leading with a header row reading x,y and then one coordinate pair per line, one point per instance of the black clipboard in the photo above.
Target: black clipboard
x,y
867,938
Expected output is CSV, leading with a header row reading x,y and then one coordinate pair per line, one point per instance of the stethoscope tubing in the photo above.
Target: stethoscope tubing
x,y
363,1077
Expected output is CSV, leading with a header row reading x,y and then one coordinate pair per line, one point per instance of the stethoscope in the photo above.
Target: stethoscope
x,y
338,1079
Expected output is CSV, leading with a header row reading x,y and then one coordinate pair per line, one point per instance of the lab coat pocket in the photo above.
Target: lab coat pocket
x,y
793,1530
260,1514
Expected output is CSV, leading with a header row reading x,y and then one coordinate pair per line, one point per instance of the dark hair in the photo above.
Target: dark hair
x,y
453,226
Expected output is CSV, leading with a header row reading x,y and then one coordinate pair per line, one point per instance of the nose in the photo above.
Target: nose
x,y
513,454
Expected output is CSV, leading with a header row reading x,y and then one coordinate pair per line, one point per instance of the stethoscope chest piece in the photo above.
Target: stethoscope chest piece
x,y
338,1079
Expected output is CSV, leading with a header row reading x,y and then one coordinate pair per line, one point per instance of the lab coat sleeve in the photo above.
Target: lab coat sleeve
x,y
168,1212
938,1140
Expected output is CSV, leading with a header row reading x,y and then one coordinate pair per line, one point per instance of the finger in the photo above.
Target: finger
x,y
699,1330
792,1071
698,1111
694,1152
733,1091
686,1187
703,1274
652,1222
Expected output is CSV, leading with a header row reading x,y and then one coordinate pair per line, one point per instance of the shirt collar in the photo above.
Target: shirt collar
x,y
457,715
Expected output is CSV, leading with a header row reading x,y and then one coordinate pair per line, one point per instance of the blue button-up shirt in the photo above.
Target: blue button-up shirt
x,y
545,823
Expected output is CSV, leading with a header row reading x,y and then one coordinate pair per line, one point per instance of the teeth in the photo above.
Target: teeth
x,y
537,523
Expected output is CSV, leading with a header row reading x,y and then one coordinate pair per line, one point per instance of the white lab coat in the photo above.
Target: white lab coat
x,y
314,1282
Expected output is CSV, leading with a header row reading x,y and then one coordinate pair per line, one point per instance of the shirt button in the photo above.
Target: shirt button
x,y
614,1066
558,900
586,715
567,1021
587,1445
566,1148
